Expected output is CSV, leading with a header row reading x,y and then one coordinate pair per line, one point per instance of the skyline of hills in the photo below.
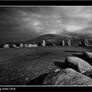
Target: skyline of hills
x,y
54,37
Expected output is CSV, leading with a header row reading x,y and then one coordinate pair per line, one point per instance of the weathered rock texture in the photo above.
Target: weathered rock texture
x,y
67,77
87,56
78,64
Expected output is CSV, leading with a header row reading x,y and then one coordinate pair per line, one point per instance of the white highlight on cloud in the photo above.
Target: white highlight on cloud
x,y
69,19
86,14
52,31
73,28
37,23
81,12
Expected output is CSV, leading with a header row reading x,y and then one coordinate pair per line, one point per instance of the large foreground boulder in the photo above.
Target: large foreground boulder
x,y
78,64
87,56
67,77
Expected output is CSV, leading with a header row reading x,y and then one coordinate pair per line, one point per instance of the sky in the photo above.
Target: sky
x,y
19,23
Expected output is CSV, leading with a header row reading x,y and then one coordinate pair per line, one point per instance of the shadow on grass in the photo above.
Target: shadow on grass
x,y
38,80
78,55
61,65
65,65
72,51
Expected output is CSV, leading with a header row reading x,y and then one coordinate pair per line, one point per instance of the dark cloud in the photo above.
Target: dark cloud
x,y
24,23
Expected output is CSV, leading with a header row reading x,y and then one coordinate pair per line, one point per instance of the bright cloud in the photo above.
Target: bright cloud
x,y
73,28
58,19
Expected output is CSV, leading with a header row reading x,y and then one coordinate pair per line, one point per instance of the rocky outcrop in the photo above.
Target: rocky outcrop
x,y
87,56
78,64
67,77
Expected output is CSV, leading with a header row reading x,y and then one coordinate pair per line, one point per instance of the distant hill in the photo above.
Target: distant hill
x,y
56,38
47,37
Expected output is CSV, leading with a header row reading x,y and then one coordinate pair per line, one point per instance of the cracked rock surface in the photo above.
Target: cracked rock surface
x,y
67,77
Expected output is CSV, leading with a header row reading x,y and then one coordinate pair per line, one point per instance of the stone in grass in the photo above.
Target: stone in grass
x,y
67,76
87,56
77,64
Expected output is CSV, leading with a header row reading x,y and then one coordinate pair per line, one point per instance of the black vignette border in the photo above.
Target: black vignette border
x,y
54,89
48,2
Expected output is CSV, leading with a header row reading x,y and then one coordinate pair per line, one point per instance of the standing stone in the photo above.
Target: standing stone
x,y
6,46
69,42
63,43
29,45
86,42
25,45
44,43
14,46
21,45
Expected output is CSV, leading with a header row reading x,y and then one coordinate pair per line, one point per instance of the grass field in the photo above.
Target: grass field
x,y
18,66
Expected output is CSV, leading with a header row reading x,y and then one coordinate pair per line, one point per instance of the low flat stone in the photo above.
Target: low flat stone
x,y
67,77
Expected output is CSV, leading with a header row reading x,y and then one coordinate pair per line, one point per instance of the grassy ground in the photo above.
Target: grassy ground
x,y
18,66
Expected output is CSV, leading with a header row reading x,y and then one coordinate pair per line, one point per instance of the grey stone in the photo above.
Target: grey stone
x,y
87,56
67,77
78,64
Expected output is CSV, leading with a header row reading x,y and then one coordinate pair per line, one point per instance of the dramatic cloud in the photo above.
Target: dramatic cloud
x,y
27,22
56,19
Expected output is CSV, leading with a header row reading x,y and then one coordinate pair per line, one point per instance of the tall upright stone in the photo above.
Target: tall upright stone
x,y
63,43
69,42
6,46
44,43
21,45
86,42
